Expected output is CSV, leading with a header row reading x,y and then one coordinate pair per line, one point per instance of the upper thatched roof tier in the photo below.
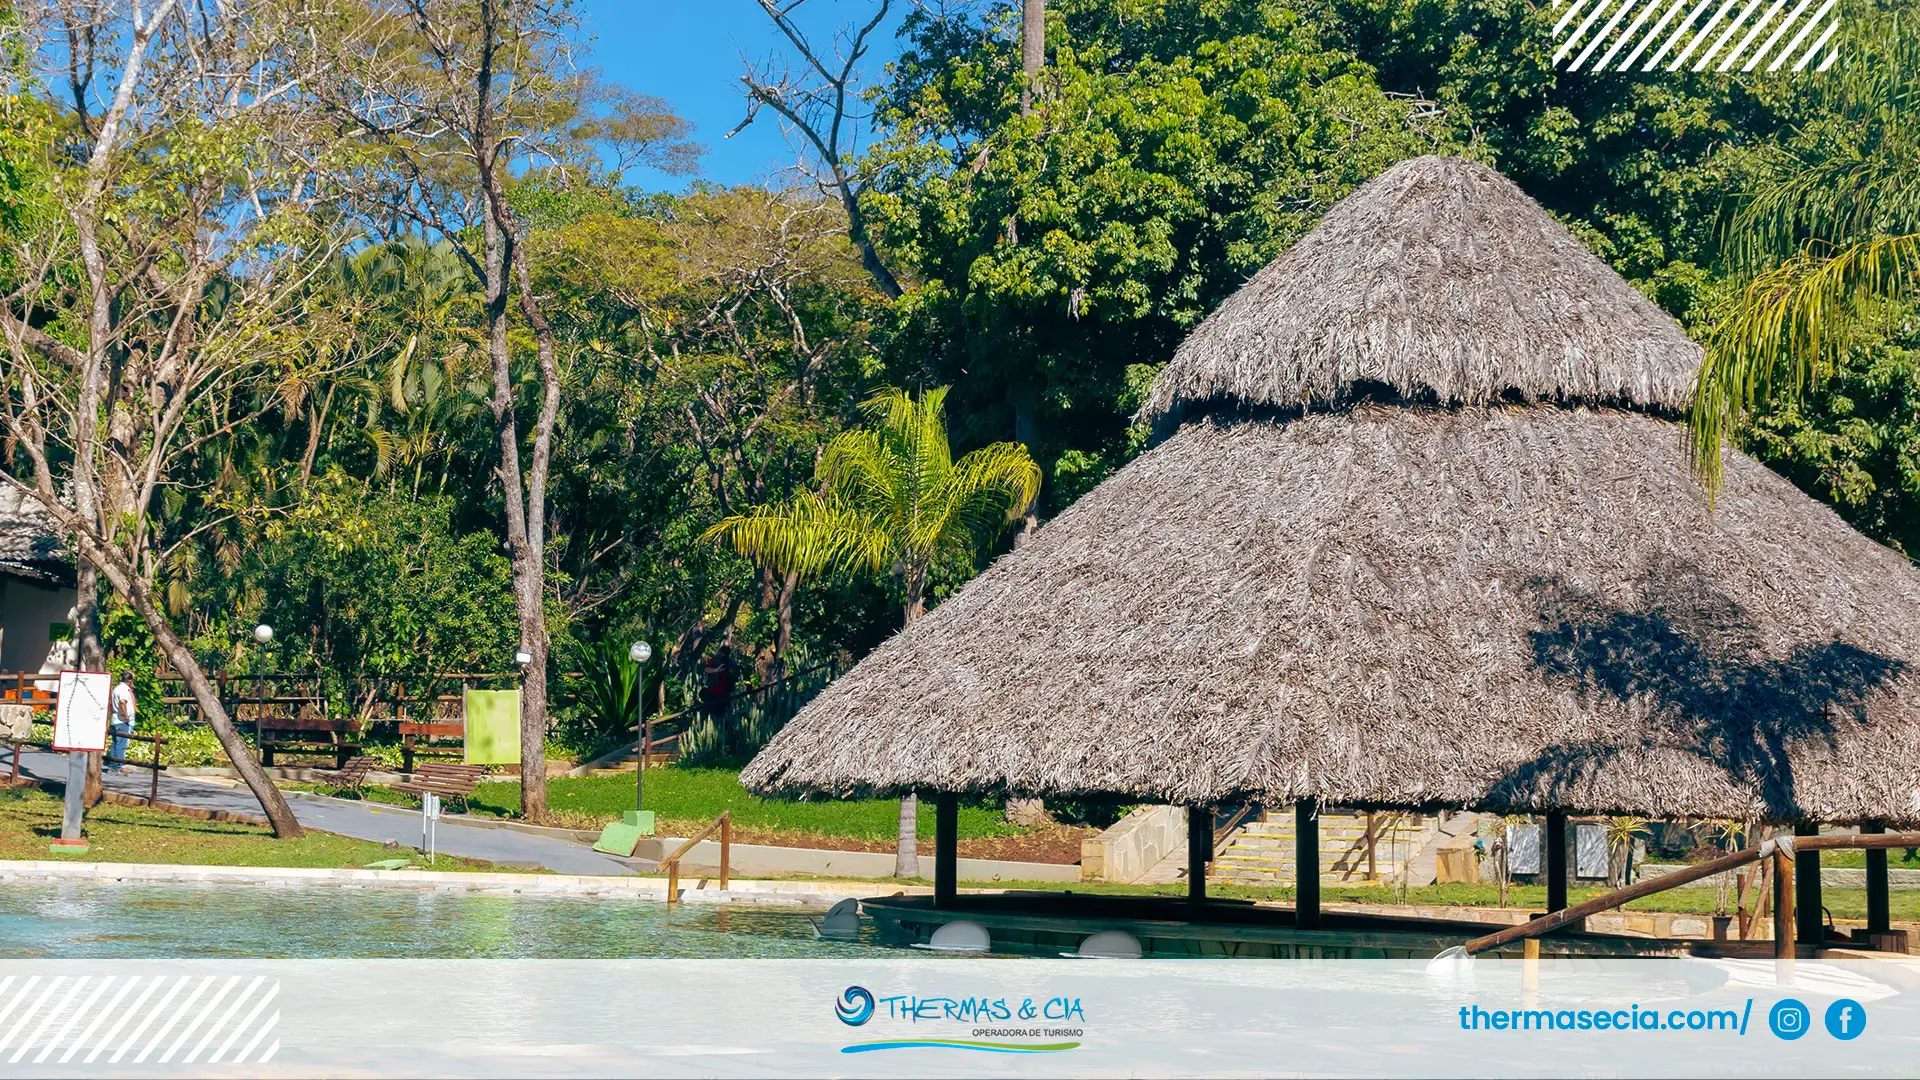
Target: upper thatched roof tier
x,y
1442,280
1500,608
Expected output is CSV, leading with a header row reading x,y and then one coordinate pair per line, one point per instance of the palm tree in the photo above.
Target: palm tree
x,y
1830,238
891,500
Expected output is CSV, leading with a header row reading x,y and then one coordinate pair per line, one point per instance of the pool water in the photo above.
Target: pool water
x,y
89,920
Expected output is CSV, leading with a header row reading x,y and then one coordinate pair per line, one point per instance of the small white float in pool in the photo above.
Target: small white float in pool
x,y
1109,945
842,920
959,936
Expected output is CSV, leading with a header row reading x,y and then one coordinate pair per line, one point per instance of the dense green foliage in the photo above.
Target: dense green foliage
x,y
713,344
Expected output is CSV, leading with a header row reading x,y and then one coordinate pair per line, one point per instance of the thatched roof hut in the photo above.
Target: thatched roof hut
x,y
1426,538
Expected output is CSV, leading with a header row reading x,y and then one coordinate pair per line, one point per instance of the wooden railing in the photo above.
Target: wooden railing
x,y
1780,850
671,864
159,749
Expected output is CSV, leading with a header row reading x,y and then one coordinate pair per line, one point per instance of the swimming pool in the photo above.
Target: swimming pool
x,y
101,920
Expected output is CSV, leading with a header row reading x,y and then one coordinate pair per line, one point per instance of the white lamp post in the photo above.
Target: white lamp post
x,y
263,633
640,652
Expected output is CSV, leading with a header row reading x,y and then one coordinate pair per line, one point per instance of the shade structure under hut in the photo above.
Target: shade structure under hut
x,y
1421,532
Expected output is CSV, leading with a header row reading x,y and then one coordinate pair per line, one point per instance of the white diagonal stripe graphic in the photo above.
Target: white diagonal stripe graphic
x,y
7,1039
1601,37
1702,35
1786,54
1568,17
1773,39
1740,49
1627,35
1675,39
258,1035
1831,57
85,1009
1566,47
148,1022
52,1014
224,1017
268,1053
205,981
246,1023
1732,29
17,998
187,1032
1817,46
107,1039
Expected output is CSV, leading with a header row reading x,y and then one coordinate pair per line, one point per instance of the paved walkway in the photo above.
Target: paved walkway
x,y
378,823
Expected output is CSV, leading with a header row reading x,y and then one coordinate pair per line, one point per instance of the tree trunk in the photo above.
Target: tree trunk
x,y
279,815
1033,48
93,657
783,635
906,861
528,593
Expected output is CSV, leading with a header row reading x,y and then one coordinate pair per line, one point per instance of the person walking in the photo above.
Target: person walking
x,y
122,708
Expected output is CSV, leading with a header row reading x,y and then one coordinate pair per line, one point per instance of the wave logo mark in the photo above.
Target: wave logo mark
x,y
855,1006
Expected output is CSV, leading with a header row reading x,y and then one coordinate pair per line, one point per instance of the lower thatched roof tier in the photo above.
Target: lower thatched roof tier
x,y
1503,609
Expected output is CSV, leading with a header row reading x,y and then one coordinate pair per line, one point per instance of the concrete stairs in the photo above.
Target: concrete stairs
x,y
1262,852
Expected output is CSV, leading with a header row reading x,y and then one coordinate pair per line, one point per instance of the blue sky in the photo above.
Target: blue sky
x,y
689,53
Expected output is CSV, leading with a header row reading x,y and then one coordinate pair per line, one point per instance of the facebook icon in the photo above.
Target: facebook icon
x,y
1846,1019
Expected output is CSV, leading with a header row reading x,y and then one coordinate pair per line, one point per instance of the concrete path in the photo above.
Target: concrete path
x,y
375,822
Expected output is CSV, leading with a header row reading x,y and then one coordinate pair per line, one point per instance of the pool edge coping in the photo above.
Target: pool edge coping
x,y
693,890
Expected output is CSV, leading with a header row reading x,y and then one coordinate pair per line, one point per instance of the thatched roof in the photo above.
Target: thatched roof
x,y
1442,280
30,547
1500,607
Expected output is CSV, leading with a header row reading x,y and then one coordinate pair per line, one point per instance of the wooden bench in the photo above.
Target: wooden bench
x,y
353,775
445,779
305,735
417,739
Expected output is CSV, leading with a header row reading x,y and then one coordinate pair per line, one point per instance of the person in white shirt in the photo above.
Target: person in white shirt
x,y
121,710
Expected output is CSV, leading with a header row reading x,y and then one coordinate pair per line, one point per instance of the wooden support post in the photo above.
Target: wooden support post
x,y
1879,913
1199,851
1782,905
726,847
946,849
1530,970
1810,927
1556,838
153,791
1306,865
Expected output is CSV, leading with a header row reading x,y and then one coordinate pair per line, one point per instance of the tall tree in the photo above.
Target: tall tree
x,y
456,99
1033,49
151,311
818,97
892,500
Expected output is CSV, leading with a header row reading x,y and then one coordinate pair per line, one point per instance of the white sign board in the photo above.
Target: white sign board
x,y
80,716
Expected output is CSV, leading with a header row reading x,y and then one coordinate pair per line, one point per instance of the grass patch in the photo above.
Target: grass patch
x,y
702,794
30,821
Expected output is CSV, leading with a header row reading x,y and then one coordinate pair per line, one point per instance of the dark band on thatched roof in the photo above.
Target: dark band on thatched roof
x,y
1505,609
1442,280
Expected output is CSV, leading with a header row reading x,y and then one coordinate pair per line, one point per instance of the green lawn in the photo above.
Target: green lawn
x,y
30,821
700,795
